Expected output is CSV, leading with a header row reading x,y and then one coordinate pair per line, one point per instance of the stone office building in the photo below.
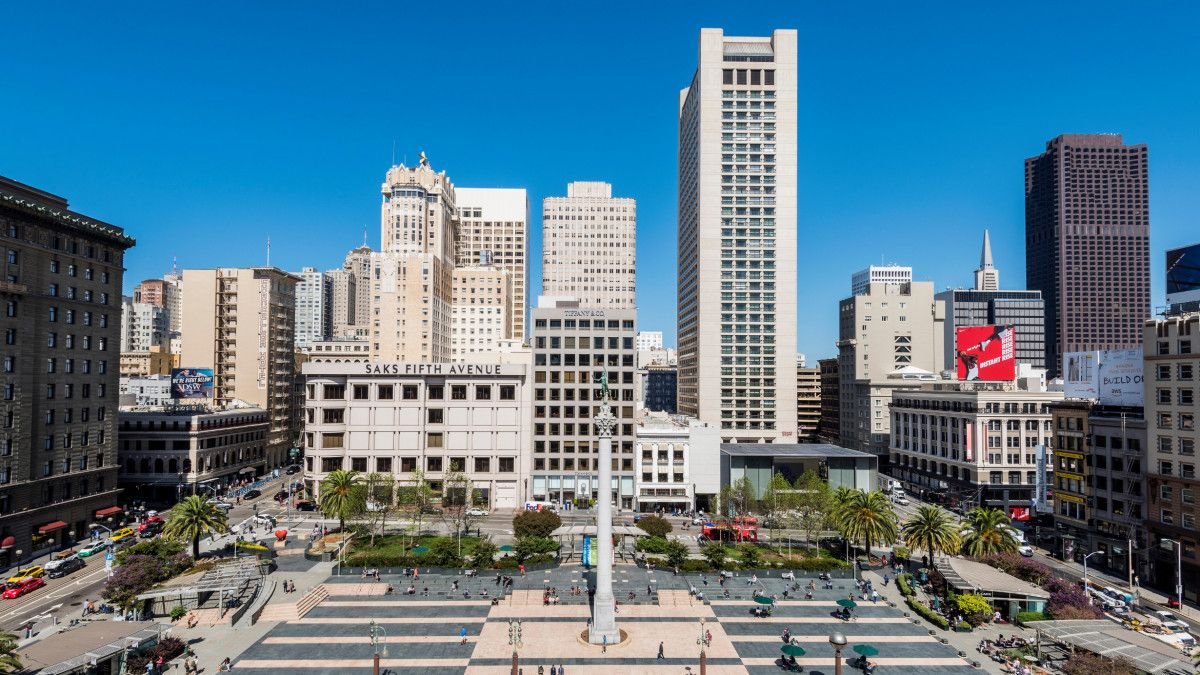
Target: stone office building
x,y
439,418
572,349
58,385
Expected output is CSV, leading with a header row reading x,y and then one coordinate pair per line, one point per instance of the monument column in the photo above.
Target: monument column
x,y
604,616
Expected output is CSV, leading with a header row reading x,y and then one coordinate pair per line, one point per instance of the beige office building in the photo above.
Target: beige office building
x,y
412,278
737,237
808,403
589,247
241,323
439,418
975,443
493,228
351,302
480,316
890,336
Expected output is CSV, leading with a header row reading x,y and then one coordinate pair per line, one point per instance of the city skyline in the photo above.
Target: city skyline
x,y
255,159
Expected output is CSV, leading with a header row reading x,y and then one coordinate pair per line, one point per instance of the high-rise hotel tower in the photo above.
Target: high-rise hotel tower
x,y
737,237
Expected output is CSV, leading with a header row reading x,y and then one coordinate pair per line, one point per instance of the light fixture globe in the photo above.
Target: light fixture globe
x,y
837,640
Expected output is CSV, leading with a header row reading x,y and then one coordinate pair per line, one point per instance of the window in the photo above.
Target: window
x,y
508,392
483,392
408,464
410,392
458,392
383,464
483,464
385,392
1167,517
434,416
361,392
436,392
334,392
332,440
433,464
12,257
507,464
1165,492
358,464
433,439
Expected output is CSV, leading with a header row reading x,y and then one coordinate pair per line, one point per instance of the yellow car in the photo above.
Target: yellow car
x,y
122,533
27,573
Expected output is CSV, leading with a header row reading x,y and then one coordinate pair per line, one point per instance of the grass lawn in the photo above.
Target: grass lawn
x,y
399,548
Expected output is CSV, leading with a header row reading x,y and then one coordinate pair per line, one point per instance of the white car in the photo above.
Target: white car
x,y
220,504
902,500
477,512
1026,551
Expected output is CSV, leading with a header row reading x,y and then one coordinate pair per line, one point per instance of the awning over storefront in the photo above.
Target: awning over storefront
x,y
8,542
112,510
248,469
50,527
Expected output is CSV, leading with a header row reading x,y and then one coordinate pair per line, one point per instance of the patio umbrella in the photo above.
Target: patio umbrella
x,y
421,549
847,603
792,650
507,548
866,650
764,600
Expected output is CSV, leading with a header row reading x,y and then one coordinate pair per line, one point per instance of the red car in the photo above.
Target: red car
x,y
24,587
149,523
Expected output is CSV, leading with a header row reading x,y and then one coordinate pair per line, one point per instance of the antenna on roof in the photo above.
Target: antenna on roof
x,y
364,236
268,250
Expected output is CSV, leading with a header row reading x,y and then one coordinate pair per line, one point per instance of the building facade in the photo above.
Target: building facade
x,y
1024,310
660,392
481,316
143,326
831,428
314,307
1087,226
649,340
573,349
412,278
240,322
439,419
972,443
59,380
493,228
808,403
156,361
339,351
147,391
889,275
1172,364
167,454
351,306
737,237
679,460
589,247
161,293
890,336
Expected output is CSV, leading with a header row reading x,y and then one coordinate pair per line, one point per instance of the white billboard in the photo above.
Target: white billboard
x,y
1109,376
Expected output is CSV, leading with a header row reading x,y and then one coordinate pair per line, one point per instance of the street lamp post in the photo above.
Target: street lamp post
x,y
514,639
838,641
1085,579
378,645
1178,570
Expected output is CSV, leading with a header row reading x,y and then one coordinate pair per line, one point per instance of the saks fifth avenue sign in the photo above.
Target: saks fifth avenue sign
x,y
431,369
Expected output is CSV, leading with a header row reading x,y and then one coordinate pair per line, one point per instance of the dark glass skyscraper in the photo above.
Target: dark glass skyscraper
x,y
1087,242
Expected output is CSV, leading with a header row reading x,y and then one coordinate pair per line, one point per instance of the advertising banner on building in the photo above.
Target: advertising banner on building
x,y
1109,376
1040,496
1183,274
191,382
986,353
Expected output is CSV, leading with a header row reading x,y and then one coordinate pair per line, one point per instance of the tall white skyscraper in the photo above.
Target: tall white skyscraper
x,y
314,307
589,247
493,228
737,237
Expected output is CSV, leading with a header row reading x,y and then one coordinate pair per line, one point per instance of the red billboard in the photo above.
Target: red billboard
x,y
986,353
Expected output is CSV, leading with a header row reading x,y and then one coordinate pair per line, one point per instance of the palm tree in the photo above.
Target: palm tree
x,y
987,531
932,530
342,496
193,518
867,517
9,661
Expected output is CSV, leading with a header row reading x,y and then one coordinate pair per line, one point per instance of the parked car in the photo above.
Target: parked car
x,y
282,495
1170,617
476,511
253,494
293,469
150,530
27,573
431,511
264,519
221,504
91,549
1026,551
151,522
902,500
61,568
306,506
17,590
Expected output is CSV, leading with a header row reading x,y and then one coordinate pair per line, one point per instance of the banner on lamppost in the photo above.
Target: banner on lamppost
x,y
1039,484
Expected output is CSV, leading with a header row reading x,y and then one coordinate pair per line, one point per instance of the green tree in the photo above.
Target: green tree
x,y
676,553
380,501
655,526
750,556
778,505
343,496
457,491
528,547
975,608
715,553
814,504
987,531
932,530
485,553
193,518
745,498
535,523
867,517
10,662
414,498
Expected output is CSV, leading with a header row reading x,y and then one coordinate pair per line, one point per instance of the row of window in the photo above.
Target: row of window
x,y
412,392
431,464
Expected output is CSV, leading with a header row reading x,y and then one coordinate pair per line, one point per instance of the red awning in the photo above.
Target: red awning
x,y
50,527
109,511
9,542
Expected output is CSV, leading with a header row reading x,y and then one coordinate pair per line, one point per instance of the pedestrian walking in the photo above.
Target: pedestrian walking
x,y
660,651
87,602
462,633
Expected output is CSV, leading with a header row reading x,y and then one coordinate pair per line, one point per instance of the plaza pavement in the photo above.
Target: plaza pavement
x,y
422,631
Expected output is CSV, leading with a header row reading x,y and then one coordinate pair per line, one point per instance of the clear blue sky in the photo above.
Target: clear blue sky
x,y
204,128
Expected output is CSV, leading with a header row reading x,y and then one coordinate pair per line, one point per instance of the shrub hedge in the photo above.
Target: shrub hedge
x,y
904,583
927,613
1029,617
